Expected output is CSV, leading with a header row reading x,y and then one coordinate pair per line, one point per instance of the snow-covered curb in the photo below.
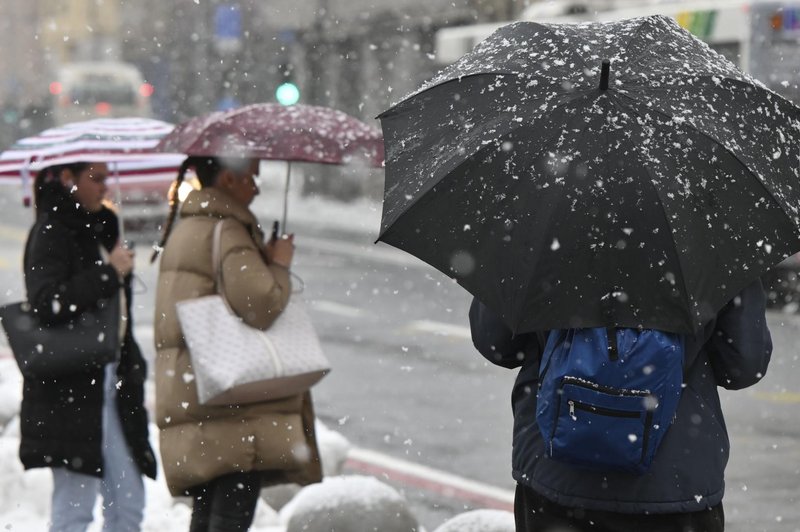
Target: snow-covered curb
x,y
351,503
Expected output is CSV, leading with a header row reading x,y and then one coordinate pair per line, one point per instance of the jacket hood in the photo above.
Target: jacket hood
x,y
218,204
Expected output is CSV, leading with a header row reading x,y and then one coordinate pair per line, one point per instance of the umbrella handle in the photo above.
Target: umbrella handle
x,y
118,201
286,195
26,188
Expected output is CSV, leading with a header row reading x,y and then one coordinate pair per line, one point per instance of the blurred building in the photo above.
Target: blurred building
x,y
356,55
23,65
79,30
36,37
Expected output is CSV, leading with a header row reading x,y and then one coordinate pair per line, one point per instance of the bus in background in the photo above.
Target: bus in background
x,y
99,89
761,37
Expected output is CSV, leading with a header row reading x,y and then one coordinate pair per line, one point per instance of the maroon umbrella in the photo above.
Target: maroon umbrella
x,y
303,133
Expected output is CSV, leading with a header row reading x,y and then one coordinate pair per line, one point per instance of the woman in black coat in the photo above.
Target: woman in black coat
x,y
90,426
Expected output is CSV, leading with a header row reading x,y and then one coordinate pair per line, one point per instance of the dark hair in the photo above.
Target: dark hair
x,y
207,170
52,174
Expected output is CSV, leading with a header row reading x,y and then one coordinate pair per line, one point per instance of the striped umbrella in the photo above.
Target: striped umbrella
x,y
125,143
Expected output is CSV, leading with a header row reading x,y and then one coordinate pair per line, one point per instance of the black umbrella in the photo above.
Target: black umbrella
x,y
564,193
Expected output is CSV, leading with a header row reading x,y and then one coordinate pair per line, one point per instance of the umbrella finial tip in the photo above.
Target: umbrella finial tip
x,y
605,74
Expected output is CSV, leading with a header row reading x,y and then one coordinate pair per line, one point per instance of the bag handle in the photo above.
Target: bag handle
x,y
216,260
216,264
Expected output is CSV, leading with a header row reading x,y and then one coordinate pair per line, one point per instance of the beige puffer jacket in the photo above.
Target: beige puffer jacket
x,y
200,443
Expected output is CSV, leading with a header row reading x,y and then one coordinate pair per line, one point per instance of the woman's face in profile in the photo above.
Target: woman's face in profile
x,y
243,187
88,187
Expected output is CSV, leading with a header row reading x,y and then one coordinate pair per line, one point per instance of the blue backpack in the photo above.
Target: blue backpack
x,y
606,397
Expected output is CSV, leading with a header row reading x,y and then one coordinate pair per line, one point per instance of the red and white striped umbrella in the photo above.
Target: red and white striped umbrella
x,y
125,143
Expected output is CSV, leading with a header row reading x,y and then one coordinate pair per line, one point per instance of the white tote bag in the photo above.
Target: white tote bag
x,y
237,364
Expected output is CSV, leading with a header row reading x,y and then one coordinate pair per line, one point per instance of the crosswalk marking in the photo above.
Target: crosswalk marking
x,y
777,397
440,328
338,309
425,326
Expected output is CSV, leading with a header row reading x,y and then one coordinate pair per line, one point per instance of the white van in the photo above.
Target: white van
x,y
99,89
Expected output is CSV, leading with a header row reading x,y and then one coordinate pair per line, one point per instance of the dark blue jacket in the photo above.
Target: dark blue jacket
x,y
687,473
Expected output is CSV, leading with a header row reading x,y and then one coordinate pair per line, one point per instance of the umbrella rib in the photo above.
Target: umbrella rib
x,y
544,146
639,56
663,208
551,30
718,142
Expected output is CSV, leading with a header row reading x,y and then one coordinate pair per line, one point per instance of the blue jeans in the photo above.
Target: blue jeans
x,y
121,487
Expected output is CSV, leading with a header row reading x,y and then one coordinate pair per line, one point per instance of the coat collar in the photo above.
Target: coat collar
x,y
217,203
57,204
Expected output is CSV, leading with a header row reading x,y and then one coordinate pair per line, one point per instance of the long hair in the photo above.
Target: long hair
x,y
207,170
49,177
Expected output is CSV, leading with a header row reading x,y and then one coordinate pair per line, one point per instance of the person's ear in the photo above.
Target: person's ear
x,y
226,178
67,178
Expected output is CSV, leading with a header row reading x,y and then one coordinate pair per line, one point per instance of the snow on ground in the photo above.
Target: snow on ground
x,y
25,495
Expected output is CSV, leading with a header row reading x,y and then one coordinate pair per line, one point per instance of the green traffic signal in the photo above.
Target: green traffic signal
x,y
287,93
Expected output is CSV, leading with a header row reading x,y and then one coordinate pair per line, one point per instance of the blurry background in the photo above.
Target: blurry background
x,y
66,60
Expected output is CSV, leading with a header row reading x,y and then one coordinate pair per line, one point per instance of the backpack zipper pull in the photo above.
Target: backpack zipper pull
x,y
572,410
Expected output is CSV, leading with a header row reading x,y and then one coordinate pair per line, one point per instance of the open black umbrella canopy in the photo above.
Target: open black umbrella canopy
x,y
563,197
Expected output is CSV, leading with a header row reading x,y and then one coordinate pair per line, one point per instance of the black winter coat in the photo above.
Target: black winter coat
x,y
61,418
687,474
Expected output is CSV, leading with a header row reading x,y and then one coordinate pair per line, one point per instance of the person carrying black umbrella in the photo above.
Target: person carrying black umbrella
x,y
599,188
684,487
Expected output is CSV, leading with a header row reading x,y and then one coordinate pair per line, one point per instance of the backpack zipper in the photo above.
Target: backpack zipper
x,y
575,381
611,412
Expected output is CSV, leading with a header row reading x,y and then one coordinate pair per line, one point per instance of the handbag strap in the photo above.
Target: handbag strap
x,y
216,264
216,259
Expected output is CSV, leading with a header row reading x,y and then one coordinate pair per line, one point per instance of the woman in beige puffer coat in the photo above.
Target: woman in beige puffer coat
x,y
223,455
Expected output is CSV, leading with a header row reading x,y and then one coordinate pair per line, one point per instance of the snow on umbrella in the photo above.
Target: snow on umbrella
x,y
300,133
563,192
127,143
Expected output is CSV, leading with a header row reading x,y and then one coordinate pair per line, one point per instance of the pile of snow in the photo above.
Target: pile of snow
x,y
480,521
10,389
25,495
352,503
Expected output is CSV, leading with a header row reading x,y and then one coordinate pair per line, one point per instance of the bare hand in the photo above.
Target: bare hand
x,y
122,260
280,250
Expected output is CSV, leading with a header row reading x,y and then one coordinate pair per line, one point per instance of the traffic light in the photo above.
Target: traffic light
x,y
287,93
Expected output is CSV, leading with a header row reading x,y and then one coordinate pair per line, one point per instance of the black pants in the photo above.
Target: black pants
x,y
534,513
226,504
